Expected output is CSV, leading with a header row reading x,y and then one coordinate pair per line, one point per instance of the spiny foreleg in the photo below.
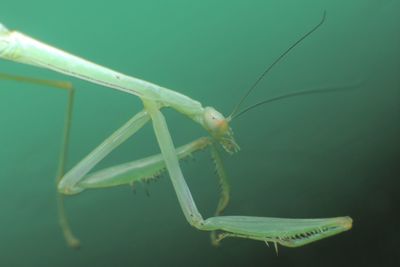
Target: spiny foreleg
x,y
223,186
287,232
142,170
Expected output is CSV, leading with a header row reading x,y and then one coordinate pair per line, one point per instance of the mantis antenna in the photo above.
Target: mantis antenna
x,y
235,110
303,92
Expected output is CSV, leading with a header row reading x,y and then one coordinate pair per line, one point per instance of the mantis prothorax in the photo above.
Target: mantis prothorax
x,y
20,48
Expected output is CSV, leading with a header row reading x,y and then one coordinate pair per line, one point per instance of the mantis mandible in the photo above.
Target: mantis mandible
x,y
20,48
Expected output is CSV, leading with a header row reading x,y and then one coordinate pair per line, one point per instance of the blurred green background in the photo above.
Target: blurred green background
x,y
319,155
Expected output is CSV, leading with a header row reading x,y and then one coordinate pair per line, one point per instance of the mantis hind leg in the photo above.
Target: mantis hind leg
x,y
69,183
70,238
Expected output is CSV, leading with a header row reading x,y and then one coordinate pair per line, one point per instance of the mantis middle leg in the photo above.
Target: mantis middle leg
x,y
140,170
68,183
151,167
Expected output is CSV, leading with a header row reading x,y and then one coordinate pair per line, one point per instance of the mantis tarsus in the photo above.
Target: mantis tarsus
x,y
18,47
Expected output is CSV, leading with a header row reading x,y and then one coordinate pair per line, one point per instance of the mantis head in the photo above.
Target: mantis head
x,y
218,126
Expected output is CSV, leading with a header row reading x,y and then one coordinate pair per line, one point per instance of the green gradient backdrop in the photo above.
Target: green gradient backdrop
x,y
310,156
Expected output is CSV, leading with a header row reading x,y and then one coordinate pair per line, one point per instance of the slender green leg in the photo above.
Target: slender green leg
x,y
287,232
71,240
69,183
50,83
144,169
223,185
171,161
222,180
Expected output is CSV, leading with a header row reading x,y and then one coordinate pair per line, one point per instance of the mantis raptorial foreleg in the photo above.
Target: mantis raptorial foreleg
x,y
222,179
224,188
171,161
287,232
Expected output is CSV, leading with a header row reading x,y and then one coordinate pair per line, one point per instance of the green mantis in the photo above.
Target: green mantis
x,y
20,48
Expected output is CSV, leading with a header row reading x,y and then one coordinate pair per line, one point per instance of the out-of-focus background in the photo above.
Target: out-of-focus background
x,y
319,155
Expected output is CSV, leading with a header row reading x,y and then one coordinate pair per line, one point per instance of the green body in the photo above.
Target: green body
x,y
288,232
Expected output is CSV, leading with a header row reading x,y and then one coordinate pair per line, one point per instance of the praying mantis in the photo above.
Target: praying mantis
x,y
20,48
